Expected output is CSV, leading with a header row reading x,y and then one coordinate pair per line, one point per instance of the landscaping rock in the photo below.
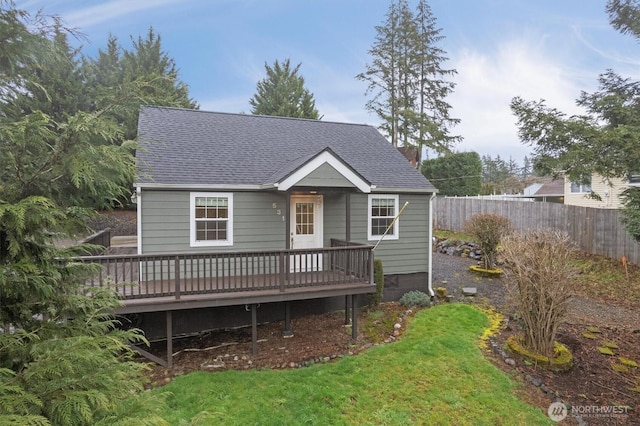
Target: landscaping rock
x,y
469,291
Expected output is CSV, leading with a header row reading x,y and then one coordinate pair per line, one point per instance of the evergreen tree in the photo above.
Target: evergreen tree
x,y
142,75
155,74
55,86
605,140
407,80
457,174
62,359
433,119
104,74
282,93
382,74
526,169
500,176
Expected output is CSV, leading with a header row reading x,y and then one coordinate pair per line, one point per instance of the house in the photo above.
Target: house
x,y
609,190
551,191
242,211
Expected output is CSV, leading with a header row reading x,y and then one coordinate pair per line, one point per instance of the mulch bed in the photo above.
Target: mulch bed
x,y
592,384
316,339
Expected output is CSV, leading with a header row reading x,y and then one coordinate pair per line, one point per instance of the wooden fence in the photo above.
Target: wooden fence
x,y
593,230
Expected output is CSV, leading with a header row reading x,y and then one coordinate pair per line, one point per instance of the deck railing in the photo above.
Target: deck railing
x,y
149,275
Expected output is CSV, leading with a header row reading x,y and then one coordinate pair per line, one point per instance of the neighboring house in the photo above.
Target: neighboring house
x,y
221,185
552,192
609,190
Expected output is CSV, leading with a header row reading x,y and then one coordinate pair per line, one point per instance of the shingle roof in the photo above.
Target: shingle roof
x,y
192,147
555,187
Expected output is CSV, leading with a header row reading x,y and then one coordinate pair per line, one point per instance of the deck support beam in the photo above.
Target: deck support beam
x,y
347,305
254,330
354,317
169,324
287,332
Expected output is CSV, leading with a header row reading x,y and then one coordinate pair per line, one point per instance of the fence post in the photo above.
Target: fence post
x,y
177,276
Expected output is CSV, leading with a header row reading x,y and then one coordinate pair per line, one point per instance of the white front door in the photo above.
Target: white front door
x,y
306,231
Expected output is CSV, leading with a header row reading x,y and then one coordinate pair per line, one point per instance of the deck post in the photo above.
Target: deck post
x,y
287,320
254,330
169,323
354,317
177,276
346,309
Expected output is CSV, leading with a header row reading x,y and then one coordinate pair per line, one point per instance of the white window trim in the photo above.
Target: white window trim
x,y
192,220
581,188
393,234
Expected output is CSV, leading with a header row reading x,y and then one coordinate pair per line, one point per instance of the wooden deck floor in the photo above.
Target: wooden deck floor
x,y
153,296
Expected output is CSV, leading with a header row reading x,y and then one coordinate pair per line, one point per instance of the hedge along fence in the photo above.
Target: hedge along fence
x,y
593,230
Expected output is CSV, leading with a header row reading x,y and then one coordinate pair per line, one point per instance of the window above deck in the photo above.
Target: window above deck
x,y
381,211
211,219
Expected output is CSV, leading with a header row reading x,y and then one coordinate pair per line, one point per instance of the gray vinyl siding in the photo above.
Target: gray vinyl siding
x,y
326,176
256,224
334,217
410,252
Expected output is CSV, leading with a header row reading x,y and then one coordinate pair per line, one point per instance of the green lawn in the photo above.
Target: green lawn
x,y
435,374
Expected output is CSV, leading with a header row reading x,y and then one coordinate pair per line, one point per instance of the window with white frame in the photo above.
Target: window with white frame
x,y
211,219
580,187
382,210
634,178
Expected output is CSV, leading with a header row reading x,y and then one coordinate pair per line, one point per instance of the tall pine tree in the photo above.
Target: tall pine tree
x,y
407,82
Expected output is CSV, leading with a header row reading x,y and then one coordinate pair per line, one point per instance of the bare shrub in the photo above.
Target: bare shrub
x,y
537,272
488,229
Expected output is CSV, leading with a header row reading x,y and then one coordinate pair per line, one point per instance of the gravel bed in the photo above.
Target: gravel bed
x,y
452,273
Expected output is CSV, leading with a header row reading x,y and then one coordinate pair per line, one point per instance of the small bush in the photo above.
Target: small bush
x,y
488,229
415,299
441,293
378,279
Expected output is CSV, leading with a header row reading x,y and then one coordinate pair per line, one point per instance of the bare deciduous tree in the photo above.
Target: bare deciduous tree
x,y
537,270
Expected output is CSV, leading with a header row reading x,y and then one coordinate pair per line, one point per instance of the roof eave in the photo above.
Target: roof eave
x,y
196,186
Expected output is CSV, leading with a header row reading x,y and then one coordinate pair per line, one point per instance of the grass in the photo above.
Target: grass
x,y
458,236
435,374
606,280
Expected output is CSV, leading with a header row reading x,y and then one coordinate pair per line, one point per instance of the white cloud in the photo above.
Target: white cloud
x,y
93,15
488,81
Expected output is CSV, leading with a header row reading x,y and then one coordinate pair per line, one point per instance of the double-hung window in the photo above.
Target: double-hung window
x,y
382,210
579,187
211,222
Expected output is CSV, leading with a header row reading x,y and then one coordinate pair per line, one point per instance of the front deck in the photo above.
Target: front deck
x,y
170,282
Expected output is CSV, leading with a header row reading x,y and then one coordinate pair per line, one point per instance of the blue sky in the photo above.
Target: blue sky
x,y
536,49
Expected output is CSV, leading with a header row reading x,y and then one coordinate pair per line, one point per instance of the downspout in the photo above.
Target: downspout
x,y
430,262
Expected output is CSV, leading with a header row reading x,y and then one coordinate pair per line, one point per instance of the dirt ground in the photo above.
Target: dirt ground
x,y
595,383
316,339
